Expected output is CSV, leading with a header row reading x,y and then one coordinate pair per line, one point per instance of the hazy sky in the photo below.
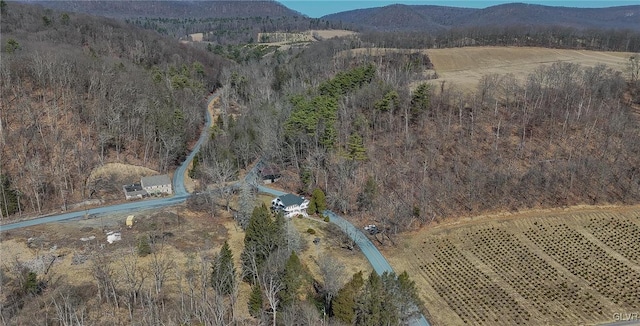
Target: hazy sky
x,y
319,8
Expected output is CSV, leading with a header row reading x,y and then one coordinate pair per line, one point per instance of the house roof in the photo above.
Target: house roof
x,y
132,187
289,200
155,180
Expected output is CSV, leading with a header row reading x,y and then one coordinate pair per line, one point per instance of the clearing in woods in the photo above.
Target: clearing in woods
x,y
574,267
464,67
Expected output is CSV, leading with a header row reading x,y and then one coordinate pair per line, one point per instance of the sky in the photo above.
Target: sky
x,y
319,8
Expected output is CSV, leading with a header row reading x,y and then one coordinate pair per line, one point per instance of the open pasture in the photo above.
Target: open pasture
x,y
465,66
575,267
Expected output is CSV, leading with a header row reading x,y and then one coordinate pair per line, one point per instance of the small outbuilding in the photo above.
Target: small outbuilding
x,y
269,173
133,191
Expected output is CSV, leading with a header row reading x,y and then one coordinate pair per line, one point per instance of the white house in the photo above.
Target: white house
x,y
157,184
290,205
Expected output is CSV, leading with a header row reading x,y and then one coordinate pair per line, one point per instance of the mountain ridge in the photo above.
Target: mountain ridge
x,y
171,9
435,18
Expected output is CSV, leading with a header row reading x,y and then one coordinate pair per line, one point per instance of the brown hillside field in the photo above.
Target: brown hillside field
x,y
464,67
577,266
188,238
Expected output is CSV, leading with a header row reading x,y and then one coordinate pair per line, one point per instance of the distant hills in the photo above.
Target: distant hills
x,y
438,18
389,18
172,9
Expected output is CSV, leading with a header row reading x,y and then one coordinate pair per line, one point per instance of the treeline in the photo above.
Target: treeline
x,y
79,91
550,37
148,285
408,151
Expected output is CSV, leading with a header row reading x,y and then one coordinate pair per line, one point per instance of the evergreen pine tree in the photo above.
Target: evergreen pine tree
x,y
312,209
420,100
223,275
318,202
408,299
262,237
255,302
292,279
369,308
31,283
144,248
343,306
356,148
8,197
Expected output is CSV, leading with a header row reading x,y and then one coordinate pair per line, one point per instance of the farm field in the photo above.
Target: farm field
x,y
575,267
464,67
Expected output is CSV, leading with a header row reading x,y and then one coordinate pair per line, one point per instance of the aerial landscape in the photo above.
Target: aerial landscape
x,y
303,163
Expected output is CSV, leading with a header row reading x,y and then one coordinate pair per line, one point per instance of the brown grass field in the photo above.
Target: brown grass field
x,y
190,235
576,266
464,67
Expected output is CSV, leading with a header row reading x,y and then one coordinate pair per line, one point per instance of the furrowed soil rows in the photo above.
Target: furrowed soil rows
x,y
573,266
551,293
621,235
583,258
468,291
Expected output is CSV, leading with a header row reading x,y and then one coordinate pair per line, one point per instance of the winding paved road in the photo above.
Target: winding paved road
x,y
377,260
375,257
180,192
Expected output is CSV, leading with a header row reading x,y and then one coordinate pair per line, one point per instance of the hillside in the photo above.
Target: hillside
x,y
172,9
78,92
391,142
436,18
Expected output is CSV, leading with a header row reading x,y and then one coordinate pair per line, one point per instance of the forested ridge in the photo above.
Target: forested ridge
x,y
396,149
432,19
80,91
377,133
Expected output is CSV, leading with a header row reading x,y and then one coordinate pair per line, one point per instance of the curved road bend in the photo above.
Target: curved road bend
x,y
180,192
377,260
375,257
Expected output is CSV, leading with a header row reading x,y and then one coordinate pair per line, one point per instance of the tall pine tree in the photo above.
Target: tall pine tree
x,y
262,237
223,275
343,305
370,305
256,301
293,280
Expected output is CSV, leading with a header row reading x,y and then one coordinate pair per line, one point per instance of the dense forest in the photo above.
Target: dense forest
x,y
556,37
383,148
433,19
108,92
509,145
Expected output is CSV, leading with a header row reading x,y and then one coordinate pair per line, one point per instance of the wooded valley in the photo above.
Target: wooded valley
x,y
378,132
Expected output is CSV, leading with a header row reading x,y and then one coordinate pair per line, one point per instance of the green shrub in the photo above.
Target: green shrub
x,y
31,283
326,219
144,248
311,231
